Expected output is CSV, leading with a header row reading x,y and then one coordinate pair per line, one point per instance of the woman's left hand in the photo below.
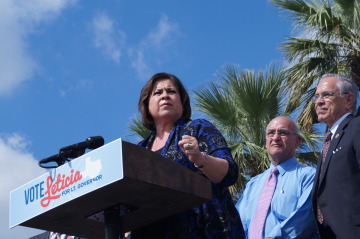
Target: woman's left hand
x,y
214,168
190,147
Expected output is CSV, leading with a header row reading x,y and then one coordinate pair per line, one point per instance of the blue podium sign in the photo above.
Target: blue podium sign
x,y
80,176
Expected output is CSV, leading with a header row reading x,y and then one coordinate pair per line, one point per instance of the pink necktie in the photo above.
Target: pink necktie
x,y
257,224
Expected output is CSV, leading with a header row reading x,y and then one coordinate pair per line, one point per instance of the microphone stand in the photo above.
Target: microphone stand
x,y
112,220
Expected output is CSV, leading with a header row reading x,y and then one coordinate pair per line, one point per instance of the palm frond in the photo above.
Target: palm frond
x,y
136,128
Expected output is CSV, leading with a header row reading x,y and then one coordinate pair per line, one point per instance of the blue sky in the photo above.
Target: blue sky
x,y
70,69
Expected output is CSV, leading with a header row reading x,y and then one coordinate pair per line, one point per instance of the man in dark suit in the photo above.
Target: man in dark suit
x,y
336,189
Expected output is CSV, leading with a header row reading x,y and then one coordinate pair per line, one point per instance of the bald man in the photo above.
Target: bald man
x,y
289,214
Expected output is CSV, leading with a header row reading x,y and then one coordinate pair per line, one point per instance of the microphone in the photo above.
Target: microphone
x,y
58,158
76,150
73,151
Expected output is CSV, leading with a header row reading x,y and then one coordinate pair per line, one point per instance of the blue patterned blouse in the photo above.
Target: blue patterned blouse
x,y
217,219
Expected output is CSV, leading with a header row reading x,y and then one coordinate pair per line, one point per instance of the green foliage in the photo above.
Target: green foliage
x,y
136,128
241,101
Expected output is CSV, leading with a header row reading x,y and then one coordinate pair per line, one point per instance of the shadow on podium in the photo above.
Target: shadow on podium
x,y
44,235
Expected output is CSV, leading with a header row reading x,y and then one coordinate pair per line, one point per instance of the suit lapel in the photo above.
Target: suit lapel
x,y
333,145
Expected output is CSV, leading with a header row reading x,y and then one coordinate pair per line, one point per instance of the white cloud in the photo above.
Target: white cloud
x,y
75,85
107,38
18,167
163,34
18,19
153,49
138,62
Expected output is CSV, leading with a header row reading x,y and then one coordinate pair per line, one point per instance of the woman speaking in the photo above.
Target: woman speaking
x,y
164,105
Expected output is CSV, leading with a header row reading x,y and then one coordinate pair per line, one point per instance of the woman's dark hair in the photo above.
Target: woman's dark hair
x,y
143,104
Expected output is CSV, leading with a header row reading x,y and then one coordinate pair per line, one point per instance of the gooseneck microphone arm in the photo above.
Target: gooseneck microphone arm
x,y
72,151
57,158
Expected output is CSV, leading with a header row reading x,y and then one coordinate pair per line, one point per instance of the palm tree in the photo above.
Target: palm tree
x,y
241,104
329,43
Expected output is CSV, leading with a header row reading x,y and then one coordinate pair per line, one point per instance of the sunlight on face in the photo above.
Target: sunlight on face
x,y
165,103
281,139
330,109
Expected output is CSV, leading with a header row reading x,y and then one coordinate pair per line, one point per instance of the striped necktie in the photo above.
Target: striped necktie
x,y
257,224
324,151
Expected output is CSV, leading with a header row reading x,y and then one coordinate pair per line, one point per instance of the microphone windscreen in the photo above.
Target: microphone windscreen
x,y
95,142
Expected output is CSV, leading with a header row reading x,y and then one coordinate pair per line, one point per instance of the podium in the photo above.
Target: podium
x,y
142,186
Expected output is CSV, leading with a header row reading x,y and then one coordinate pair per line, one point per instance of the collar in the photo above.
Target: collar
x,y
285,166
337,123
